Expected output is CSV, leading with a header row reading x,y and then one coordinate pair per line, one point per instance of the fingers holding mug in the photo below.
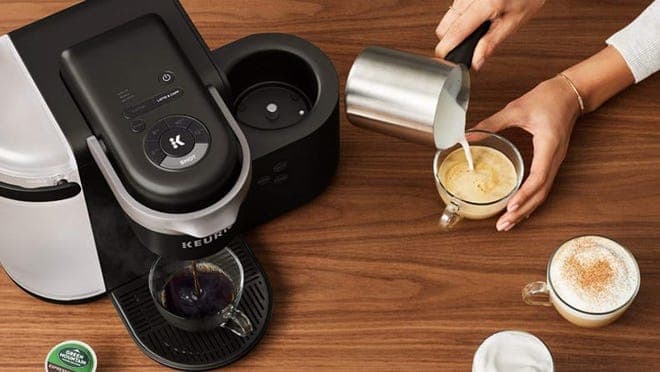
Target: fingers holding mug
x,y
535,190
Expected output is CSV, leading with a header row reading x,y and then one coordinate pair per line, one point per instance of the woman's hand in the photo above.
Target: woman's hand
x,y
464,16
548,112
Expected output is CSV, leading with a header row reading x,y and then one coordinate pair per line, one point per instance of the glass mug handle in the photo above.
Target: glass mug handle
x,y
238,323
536,293
450,216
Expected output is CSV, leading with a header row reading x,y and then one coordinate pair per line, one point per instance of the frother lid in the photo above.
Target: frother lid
x,y
33,150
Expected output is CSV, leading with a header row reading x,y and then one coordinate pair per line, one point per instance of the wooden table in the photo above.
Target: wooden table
x,y
362,277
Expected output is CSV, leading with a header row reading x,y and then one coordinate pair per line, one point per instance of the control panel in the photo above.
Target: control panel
x,y
171,146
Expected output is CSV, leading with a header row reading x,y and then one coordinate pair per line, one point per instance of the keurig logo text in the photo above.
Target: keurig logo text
x,y
205,241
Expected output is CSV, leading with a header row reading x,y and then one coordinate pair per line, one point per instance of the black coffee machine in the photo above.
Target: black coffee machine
x,y
132,134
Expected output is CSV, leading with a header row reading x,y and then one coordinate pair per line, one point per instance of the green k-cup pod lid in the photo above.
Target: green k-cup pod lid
x,y
71,356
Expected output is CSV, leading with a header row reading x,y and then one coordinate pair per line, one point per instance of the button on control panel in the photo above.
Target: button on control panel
x,y
280,178
138,126
280,166
166,77
279,175
176,142
152,103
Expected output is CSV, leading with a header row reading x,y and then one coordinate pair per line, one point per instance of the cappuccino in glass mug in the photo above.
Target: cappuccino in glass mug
x,y
591,281
480,191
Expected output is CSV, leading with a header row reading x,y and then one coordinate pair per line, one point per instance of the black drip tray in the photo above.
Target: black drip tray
x,y
179,349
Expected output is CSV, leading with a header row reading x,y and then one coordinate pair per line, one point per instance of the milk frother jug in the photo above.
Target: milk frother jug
x,y
410,96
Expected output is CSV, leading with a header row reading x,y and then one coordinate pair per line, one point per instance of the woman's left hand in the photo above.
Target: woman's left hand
x,y
548,112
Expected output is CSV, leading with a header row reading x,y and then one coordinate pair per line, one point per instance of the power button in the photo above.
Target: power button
x,y
166,77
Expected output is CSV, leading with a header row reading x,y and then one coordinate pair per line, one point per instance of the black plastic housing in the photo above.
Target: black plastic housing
x,y
294,164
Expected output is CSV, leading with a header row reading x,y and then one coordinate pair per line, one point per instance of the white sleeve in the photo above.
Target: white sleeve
x,y
639,43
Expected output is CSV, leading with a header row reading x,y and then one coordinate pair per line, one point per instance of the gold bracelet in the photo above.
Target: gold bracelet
x,y
577,93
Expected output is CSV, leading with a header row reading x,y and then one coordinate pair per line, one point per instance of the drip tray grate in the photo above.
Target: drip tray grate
x,y
197,351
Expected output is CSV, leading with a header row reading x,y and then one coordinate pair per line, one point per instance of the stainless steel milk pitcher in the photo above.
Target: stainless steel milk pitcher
x,y
398,93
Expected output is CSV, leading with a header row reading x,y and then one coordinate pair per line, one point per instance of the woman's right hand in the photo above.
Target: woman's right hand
x,y
465,16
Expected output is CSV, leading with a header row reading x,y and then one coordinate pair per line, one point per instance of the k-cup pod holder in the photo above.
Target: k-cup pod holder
x,y
273,89
278,81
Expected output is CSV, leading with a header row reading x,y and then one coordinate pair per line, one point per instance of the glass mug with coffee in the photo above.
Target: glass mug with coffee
x,y
591,281
481,192
202,294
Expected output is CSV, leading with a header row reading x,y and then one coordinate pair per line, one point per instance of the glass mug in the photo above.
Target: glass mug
x,y
457,208
201,295
545,293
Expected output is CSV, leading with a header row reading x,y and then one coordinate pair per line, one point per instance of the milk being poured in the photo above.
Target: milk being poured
x,y
451,130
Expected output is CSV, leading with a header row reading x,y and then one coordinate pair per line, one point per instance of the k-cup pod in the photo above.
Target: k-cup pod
x,y
71,356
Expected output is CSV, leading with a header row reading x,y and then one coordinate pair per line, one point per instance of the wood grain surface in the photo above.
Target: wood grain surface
x,y
362,277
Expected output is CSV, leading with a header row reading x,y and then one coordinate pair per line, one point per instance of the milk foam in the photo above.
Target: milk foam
x,y
512,351
493,178
594,274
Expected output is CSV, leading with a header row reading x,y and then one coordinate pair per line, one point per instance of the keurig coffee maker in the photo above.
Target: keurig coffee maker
x,y
123,138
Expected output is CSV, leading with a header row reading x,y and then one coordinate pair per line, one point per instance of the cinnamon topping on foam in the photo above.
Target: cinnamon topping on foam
x,y
594,274
593,277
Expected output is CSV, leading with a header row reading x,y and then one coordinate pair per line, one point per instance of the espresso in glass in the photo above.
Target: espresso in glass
x,y
200,290
199,295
